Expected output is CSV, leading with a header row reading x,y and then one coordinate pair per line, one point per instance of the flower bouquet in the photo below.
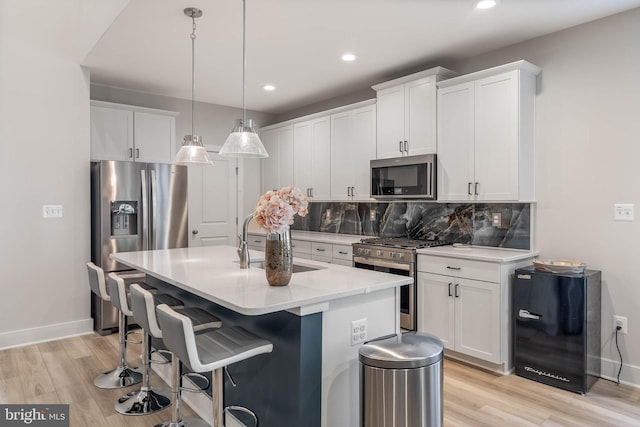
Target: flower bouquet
x,y
275,212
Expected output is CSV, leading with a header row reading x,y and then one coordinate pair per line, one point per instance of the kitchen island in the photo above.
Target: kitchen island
x,y
311,377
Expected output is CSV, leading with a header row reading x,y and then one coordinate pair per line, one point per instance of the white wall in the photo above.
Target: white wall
x,y
588,146
212,122
44,159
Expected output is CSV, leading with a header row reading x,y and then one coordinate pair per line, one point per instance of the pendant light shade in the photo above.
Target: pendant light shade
x,y
192,151
243,140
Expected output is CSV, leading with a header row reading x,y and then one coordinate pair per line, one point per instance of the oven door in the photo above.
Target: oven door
x,y
407,292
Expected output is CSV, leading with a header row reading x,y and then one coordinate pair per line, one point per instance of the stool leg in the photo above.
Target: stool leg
x,y
176,410
122,376
146,400
217,385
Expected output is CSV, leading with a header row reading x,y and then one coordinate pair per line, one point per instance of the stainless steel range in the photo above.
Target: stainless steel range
x,y
396,255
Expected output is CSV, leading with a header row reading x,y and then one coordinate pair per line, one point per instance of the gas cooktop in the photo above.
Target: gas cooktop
x,y
402,242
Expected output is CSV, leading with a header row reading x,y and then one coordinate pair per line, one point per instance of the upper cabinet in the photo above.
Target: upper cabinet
x,y
486,135
406,114
312,157
128,133
353,135
277,169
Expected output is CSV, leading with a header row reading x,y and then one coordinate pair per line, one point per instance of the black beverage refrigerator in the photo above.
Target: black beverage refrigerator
x,y
557,327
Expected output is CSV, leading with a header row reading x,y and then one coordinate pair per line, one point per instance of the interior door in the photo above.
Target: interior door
x,y
212,202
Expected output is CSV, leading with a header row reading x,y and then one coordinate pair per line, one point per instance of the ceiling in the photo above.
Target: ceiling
x,y
296,44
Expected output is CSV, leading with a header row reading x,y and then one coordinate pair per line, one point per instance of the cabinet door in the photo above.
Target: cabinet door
x,y
362,151
436,307
341,161
496,137
478,319
420,117
303,156
390,122
154,138
321,155
455,143
285,156
111,134
270,169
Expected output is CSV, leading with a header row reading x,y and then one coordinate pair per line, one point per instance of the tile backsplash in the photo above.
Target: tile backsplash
x,y
453,223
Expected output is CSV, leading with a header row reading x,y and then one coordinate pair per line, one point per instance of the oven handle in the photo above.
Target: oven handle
x,y
382,263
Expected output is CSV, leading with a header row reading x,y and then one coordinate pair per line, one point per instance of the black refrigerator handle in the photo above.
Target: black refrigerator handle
x,y
145,211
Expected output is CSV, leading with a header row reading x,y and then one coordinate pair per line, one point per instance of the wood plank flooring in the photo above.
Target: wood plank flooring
x,y
63,372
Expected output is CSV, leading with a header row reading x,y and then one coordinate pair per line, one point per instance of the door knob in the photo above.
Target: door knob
x,y
194,232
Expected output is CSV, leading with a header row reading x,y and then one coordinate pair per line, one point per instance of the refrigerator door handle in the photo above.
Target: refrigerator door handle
x,y
526,315
145,210
152,211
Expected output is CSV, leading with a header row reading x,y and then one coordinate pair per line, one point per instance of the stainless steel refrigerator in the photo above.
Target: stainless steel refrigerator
x,y
134,207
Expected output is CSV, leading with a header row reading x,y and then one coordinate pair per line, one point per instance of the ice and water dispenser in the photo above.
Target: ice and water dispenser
x,y
124,218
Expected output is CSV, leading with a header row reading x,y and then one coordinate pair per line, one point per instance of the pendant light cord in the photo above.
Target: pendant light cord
x,y
244,61
193,66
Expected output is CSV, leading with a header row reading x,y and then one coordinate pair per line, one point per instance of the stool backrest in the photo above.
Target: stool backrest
x,y
144,310
178,336
118,292
96,281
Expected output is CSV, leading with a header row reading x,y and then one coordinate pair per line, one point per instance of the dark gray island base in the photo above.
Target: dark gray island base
x,y
283,388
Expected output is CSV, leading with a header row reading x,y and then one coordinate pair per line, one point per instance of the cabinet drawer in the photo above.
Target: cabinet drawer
x,y
322,258
456,267
322,249
343,252
256,240
344,262
300,247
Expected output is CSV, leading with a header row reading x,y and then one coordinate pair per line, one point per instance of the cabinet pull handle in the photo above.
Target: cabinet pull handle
x,y
469,189
457,293
320,249
194,232
400,146
348,191
257,241
311,191
476,188
406,147
137,153
131,153
342,253
450,289
453,268
308,193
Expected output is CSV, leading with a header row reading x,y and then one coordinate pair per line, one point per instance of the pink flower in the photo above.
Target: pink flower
x,y
275,210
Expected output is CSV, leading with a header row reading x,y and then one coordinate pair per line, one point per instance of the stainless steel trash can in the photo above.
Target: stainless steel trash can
x,y
401,381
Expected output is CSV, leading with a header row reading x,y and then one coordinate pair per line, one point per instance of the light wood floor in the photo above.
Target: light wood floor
x,y
63,371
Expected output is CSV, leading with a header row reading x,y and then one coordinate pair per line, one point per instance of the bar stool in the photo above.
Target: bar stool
x,y
143,304
209,351
122,375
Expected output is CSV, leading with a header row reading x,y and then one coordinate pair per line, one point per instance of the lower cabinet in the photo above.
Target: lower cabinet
x,y
463,313
305,249
256,242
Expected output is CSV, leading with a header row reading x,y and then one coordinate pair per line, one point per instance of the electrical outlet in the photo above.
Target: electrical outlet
x,y
358,331
496,219
51,211
623,211
620,321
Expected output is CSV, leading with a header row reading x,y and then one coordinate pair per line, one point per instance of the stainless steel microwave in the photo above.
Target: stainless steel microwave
x,y
410,177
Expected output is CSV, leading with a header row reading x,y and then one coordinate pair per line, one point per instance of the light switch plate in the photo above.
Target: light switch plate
x,y
51,211
623,212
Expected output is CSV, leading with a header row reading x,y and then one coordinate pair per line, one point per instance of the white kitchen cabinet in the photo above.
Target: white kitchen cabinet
x,y
406,114
256,242
128,133
486,135
301,248
277,169
322,252
312,157
352,147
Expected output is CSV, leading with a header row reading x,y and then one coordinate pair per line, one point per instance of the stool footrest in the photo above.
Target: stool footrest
x,y
199,376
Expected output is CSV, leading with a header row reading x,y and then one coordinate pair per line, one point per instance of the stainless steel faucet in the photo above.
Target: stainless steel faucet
x,y
243,248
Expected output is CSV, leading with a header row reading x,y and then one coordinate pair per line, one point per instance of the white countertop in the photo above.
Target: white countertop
x,y
312,236
479,253
213,273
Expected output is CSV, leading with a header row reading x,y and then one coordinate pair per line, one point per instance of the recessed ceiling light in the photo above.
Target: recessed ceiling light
x,y
485,4
269,88
348,57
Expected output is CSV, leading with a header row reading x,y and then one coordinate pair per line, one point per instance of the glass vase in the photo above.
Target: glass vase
x,y
278,258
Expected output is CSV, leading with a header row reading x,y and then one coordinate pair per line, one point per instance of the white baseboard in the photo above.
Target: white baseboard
x,y
58,331
630,374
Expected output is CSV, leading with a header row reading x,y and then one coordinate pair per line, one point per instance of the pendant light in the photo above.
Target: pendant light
x,y
192,151
243,140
